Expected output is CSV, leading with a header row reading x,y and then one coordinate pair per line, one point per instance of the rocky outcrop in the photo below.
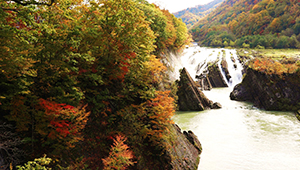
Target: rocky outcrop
x,y
215,76
177,151
270,92
190,98
203,82
185,150
224,66
297,114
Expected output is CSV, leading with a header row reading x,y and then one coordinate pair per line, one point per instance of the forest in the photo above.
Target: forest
x,y
191,16
80,84
251,24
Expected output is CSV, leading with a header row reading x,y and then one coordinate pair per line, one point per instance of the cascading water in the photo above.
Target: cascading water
x,y
234,67
195,60
238,136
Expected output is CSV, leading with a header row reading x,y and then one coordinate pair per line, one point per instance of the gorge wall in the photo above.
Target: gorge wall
x,y
269,91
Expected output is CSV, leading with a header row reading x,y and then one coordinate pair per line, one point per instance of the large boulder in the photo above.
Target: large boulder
x,y
190,98
269,91
215,76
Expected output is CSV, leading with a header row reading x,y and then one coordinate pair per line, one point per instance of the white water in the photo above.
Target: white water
x,y
196,56
239,136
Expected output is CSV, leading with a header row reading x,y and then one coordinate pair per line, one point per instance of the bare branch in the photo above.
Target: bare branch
x,y
9,150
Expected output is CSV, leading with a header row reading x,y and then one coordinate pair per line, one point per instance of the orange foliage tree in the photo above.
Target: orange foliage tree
x,y
270,66
120,156
75,75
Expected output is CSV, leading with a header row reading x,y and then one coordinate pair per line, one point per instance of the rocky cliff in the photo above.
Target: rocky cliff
x,y
185,150
182,152
269,91
190,98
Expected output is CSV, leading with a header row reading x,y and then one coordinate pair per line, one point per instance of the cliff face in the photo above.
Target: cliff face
x,y
270,92
185,151
190,98
215,76
182,152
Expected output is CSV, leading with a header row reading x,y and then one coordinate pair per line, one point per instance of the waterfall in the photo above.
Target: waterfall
x,y
234,67
196,58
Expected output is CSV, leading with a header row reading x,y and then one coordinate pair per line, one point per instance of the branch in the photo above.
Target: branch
x,y
9,9
33,2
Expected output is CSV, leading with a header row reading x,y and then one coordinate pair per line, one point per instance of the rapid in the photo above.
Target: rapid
x,y
238,136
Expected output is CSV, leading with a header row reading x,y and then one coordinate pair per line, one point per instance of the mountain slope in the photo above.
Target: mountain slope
x,y
267,23
190,16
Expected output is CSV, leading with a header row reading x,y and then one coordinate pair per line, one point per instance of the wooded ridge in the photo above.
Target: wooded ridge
x,y
251,23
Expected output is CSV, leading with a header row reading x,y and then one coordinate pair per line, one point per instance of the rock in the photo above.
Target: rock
x,y
180,152
193,140
216,105
190,98
224,66
215,76
240,93
269,91
297,114
185,150
203,82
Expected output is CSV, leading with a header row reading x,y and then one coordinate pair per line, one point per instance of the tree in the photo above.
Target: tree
x,y
120,157
75,75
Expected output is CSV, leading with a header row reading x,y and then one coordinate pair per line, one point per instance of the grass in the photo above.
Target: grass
x,y
279,53
275,54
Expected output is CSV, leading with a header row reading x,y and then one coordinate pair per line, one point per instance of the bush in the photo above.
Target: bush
x,y
37,164
246,45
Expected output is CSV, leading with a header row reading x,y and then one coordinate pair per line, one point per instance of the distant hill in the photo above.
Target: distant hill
x,y
251,23
190,16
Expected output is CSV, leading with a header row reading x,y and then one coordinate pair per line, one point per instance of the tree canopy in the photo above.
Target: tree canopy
x,y
77,76
257,23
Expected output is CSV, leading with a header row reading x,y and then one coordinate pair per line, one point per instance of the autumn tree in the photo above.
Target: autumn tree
x,y
75,75
256,18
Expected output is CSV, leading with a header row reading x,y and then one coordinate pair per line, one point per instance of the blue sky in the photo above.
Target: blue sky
x,y
178,5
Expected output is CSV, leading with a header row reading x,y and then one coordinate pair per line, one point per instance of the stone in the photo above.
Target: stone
x,y
185,151
215,76
269,91
224,66
190,98
297,114
216,105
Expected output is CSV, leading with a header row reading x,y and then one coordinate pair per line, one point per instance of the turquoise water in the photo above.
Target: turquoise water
x,y
242,137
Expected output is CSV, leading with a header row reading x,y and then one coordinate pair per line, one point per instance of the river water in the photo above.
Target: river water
x,y
242,137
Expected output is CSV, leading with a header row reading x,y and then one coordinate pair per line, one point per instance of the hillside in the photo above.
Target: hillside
x,y
82,83
190,16
251,23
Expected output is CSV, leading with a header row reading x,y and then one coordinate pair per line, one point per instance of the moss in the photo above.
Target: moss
x,y
297,115
198,159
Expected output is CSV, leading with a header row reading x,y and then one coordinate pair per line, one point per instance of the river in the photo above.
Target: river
x,y
242,137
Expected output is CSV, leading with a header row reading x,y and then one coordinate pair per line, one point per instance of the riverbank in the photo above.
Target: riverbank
x,y
271,83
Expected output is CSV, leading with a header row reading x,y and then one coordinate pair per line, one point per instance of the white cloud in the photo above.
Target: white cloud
x,y
175,6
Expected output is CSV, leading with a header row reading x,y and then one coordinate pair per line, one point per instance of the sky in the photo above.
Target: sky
x,y
178,5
